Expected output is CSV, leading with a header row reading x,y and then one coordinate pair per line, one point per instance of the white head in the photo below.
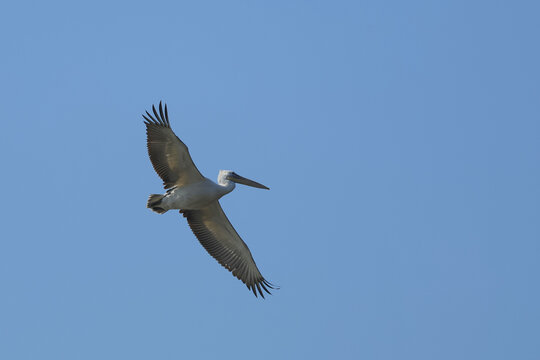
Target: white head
x,y
228,175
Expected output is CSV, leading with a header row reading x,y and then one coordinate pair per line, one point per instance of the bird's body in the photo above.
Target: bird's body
x,y
196,197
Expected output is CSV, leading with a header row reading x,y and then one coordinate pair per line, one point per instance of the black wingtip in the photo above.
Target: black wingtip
x,y
262,286
156,115
260,291
161,113
270,285
151,117
160,118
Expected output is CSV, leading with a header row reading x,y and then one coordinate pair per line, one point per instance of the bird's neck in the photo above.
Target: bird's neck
x,y
226,186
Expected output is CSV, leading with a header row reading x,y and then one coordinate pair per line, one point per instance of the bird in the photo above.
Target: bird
x,y
197,199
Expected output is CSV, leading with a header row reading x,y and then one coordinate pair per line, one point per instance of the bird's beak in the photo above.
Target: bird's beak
x,y
242,180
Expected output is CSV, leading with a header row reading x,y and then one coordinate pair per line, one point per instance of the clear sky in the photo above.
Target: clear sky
x,y
400,140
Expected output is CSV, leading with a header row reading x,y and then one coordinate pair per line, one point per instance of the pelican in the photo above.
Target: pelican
x,y
197,198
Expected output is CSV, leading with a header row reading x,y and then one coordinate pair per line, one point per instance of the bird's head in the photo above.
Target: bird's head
x,y
234,177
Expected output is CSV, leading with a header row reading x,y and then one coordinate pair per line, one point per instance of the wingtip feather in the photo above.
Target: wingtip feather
x,y
160,118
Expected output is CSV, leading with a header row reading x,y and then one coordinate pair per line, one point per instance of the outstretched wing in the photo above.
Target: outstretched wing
x,y
215,232
169,155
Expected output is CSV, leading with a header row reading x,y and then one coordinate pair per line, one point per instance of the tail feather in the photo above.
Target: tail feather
x,y
153,203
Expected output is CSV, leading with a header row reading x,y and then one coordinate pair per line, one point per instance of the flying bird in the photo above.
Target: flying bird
x,y
197,198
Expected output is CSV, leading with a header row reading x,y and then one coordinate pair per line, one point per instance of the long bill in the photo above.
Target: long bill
x,y
244,181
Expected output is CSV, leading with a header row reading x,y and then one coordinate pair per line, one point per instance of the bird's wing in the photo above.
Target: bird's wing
x,y
215,232
169,155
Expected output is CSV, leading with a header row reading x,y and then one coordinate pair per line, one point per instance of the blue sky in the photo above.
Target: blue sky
x,y
400,140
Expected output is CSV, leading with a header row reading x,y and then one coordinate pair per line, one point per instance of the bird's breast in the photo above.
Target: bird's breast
x,y
194,196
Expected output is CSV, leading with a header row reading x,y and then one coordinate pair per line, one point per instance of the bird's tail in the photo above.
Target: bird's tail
x,y
153,203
